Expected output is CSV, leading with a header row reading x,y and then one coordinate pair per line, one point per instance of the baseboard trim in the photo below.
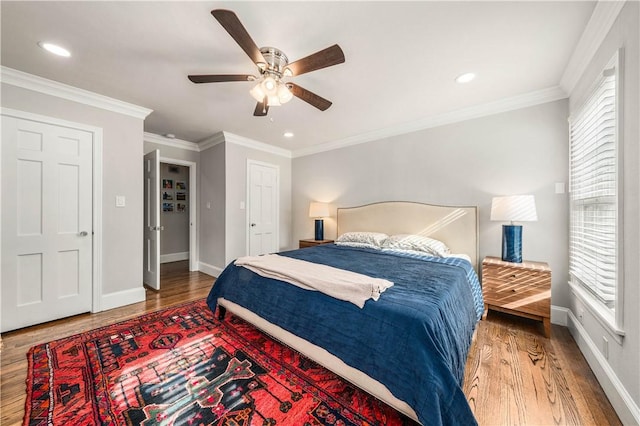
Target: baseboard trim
x,y
214,271
122,298
174,257
559,315
622,402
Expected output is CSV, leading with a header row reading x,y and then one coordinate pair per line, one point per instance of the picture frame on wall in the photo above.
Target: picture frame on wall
x,y
167,183
181,196
166,195
181,185
167,207
181,207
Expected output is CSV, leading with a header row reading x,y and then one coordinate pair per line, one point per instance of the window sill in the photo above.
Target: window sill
x,y
600,313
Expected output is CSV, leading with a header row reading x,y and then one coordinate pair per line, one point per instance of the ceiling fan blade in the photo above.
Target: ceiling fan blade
x,y
324,58
236,30
309,97
262,108
219,78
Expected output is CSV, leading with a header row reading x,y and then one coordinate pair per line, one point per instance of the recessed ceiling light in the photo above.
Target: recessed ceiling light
x,y
54,48
288,134
465,78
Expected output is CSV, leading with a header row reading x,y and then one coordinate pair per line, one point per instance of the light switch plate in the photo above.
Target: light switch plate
x,y
120,201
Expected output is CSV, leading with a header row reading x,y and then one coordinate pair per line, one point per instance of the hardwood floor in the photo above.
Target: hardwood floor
x,y
514,375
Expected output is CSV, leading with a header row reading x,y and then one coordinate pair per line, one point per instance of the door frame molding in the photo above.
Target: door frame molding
x,y
193,211
251,162
96,255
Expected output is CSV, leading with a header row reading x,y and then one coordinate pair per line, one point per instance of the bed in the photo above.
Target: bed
x,y
409,347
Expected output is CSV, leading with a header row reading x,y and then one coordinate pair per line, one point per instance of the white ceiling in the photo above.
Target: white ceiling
x,y
401,59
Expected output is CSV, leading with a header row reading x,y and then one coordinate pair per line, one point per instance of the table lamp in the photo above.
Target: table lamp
x,y
514,208
318,211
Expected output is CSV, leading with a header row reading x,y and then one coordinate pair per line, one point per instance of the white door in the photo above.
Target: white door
x,y
152,228
47,185
263,207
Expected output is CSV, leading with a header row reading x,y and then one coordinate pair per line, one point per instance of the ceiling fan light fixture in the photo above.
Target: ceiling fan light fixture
x,y
257,93
270,86
284,94
273,101
273,65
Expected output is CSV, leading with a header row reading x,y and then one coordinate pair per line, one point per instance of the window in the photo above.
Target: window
x,y
594,246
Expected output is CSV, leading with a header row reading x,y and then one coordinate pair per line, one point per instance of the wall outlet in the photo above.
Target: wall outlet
x,y
605,347
208,204
581,315
120,201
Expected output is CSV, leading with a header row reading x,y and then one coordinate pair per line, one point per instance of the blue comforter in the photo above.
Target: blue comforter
x,y
414,339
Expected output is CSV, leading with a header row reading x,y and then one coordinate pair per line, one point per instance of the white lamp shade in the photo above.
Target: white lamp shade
x,y
318,209
514,208
284,94
257,93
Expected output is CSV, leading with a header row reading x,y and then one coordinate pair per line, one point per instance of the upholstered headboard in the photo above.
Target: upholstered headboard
x,y
457,227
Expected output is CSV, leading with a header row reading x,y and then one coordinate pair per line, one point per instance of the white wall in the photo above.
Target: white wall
x,y
223,174
212,209
467,163
620,373
122,233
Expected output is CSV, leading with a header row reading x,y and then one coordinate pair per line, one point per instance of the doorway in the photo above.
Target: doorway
x,y
175,196
175,189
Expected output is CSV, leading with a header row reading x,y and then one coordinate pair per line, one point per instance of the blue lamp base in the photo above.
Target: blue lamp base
x,y
319,229
512,243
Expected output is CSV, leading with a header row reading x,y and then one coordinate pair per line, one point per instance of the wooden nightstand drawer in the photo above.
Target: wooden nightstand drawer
x,y
311,243
518,288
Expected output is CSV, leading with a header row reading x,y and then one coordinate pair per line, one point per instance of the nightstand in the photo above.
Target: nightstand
x,y
522,289
312,242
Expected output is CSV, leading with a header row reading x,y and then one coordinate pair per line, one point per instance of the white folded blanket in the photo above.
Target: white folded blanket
x,y
344,285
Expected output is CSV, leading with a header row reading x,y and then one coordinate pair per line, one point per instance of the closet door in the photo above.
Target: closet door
x,y
47,190
263,196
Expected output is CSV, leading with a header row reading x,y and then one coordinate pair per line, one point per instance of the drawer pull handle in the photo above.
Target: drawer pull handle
x,y
513,275
513,290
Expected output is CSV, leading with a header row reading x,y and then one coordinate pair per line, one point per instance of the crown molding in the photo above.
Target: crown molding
x,y
253,144
213,140
602,19
64,91
172,142
508,104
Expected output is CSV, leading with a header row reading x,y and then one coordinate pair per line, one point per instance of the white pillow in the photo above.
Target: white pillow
x,y
361,245
417,243
362,239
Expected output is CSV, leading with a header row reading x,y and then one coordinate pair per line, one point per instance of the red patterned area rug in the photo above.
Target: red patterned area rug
x,y
181,366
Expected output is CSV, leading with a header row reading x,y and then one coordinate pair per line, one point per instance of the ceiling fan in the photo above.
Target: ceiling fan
x,y
273,66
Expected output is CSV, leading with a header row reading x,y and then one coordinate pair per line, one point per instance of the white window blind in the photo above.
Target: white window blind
x,y
593,189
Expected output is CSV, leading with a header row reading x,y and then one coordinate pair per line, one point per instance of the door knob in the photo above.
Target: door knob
x,y
83,234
